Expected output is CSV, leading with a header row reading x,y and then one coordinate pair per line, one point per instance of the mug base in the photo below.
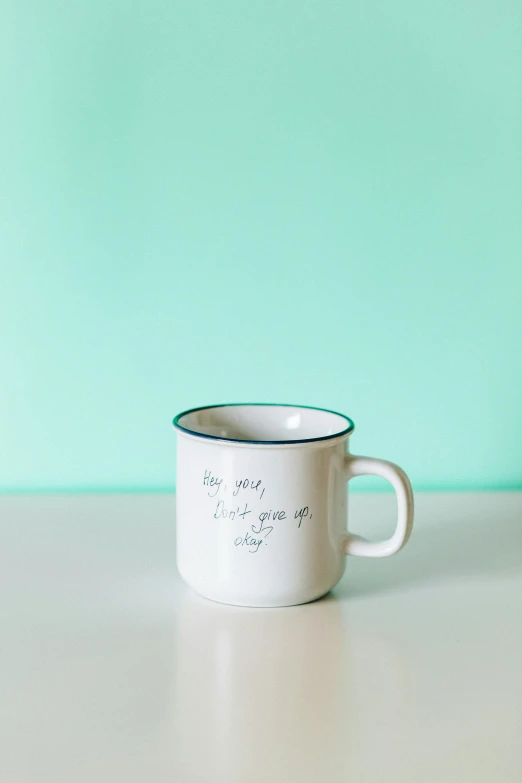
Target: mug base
x,y
265,604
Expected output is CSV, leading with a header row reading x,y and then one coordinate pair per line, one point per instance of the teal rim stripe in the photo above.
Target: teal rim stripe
x,y
350,425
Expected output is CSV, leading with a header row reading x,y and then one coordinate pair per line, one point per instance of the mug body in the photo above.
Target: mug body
x,y
261,502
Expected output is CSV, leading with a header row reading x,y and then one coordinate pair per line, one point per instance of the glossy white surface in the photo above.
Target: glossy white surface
x,y
227,548
266,524
112,671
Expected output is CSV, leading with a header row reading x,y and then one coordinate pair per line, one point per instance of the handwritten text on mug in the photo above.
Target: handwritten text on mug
x,y
248,491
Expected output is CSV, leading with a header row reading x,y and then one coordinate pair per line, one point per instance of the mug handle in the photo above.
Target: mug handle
x,y
363,466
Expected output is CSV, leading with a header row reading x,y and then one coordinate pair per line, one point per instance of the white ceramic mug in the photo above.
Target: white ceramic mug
x,y
261,502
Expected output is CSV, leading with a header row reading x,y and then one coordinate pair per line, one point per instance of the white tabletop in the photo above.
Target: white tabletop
x,y
111,670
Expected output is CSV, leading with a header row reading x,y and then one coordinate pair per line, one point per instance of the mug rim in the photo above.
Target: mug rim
x,y
176,424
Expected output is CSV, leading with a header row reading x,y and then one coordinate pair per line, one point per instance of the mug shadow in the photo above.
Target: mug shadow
x,y
464,544
256,688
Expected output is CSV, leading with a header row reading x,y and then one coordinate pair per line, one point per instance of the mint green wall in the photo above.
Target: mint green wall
x,y
294,200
